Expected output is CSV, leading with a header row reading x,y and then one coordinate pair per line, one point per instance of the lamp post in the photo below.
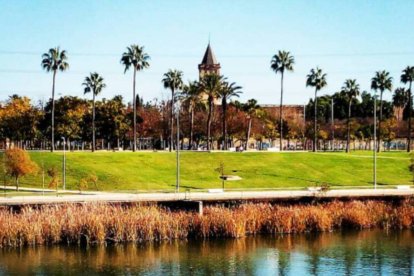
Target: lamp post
x,y
333,124
375,141
177,114
64,163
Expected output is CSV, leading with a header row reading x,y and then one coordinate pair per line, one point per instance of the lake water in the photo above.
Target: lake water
x,y
342,253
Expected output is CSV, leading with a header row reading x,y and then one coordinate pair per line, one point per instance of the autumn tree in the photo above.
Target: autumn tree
x,y
19,120
19,164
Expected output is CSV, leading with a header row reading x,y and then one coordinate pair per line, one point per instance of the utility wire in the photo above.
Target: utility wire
x,y
86,54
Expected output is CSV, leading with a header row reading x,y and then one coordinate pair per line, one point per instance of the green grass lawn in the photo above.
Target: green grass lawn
x,y
156,170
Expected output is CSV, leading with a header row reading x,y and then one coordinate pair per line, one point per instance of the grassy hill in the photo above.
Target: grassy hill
x,y
156,170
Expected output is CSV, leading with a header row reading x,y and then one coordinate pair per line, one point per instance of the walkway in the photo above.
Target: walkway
x,y
104,197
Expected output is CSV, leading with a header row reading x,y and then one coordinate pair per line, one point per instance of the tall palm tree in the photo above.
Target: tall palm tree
x,y
172,80
227,91
192,96
400,98
136,57
407,76
211,85
400,102
53,61
350,91
93,84
382,81
317,79
251,109
280,62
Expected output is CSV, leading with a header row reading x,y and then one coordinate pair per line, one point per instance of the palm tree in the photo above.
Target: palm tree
x,y
192,96
172,80
251,108
382,81
407,76
94,84
400,99
211,84
317,79
228,91
138,59
350,90
53,61
281,62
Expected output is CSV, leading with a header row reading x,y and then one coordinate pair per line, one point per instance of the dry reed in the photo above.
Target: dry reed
x,y
105,223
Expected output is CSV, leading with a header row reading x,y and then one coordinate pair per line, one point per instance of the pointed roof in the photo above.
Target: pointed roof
x,y
209,57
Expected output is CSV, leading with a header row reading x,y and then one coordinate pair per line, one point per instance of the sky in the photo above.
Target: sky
x,y
347,39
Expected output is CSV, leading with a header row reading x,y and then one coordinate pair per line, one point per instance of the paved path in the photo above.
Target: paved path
x,y
202,196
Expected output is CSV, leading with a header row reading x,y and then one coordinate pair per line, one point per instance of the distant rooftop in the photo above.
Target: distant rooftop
x,y
285,105
209,57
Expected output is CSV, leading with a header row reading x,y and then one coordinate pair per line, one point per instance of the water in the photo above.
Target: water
x,y
348,253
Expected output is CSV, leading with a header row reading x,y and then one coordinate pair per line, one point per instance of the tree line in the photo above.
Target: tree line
x,y
203,123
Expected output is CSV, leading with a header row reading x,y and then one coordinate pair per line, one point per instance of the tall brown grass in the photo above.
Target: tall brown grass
x,y
105,223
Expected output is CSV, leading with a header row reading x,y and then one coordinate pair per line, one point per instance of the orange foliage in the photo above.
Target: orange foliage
x,y
18,164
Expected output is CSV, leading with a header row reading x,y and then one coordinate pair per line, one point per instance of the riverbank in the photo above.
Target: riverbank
x,y
106,223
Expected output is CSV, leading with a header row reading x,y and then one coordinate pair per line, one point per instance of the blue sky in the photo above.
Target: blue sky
x,y
347,39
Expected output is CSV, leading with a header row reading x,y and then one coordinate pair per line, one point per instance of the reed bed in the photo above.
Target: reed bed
x,y
106,223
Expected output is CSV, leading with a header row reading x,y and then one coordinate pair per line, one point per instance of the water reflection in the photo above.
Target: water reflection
x,y
347,253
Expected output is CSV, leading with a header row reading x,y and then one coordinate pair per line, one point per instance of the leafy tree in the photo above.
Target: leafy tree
x,y
19,164
227,91
53,61
192,97
317,79
407,76
350,91
211,85
172,80
70,112
19,120
112,122
382,81
136,57
93,84
281,62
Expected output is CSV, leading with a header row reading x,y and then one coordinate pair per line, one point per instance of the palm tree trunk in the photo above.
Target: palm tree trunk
x,y
348,140
191,128
93,122
172,121
53,112
379,125
210,110
224,106
134,101
281,113
410,104
249,128
315,122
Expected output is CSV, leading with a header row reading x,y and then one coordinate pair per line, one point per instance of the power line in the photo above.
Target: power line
x,y
86,54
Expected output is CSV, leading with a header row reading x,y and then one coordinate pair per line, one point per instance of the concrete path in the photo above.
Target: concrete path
x,y
202,196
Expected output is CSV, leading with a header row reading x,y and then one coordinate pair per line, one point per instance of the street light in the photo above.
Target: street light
x,y
375,141
64,163
177,114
